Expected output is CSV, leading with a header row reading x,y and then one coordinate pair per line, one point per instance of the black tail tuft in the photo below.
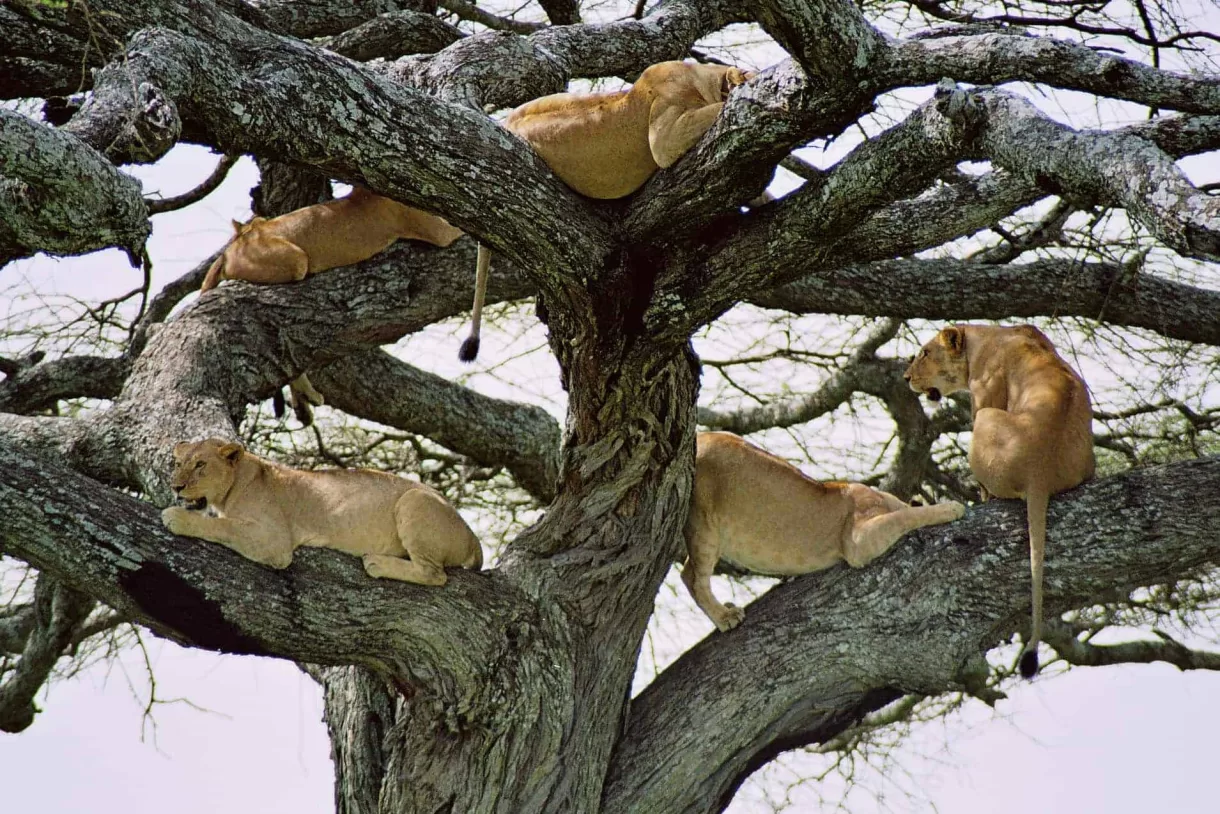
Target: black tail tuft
x,y
277,403
469,349
1029,663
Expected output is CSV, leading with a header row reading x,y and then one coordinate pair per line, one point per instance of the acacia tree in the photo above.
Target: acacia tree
x,y
509,689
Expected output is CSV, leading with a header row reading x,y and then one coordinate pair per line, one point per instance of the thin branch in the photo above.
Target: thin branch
x,y
157,206
469,11
1061,636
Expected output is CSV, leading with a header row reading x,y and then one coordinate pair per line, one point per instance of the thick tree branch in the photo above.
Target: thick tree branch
x,y
1079,653
900,162
918,620
522,438
1112,168
107,545
318,18
87,445
57,195
356,125
996,57
911,288
831,39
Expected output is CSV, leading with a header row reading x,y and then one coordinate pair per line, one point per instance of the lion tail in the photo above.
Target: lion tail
x,y
470,347
1035,506
212,278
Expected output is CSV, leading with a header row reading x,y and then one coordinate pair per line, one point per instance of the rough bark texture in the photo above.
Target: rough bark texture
x,y
60,196
507,691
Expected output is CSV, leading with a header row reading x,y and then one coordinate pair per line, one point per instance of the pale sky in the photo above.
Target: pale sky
x,y
1126,740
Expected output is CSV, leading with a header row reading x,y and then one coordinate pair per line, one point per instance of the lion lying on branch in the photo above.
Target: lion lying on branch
x,y
321,237
263,511
607,145
761,514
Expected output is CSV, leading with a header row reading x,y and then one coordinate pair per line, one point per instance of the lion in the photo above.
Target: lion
x,y
321,237
607,145
1033,434
759,513
264,511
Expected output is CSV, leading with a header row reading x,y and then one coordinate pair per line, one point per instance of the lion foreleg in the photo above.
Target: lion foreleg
x,y
672,130
258,542
702,555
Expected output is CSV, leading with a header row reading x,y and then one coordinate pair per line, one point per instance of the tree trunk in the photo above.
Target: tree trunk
x,y
538,734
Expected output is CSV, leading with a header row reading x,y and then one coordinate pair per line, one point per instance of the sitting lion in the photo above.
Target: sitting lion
x,y
607,145
1033,432
760,513
265,511
323,236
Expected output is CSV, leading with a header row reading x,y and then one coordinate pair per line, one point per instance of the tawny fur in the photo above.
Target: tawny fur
x,y
607,145
760,513
1033,434
323,236
265,511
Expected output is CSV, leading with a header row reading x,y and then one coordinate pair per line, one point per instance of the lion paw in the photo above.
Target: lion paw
x,y
375,565
176,518
731,617
956,510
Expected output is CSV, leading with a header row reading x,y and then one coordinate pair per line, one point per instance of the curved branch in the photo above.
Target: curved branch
x,y
158,205
107,545
829,38
318,18
1116,169
1086,654
898,163
694,736
522,438
316,108
394,34
471,12
863,372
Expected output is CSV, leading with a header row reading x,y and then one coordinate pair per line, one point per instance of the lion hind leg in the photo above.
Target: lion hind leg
x,y
672,130
870,538
275,260
429,228
382,566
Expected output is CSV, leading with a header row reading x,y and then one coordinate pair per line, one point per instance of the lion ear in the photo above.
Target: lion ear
x,y
181,450
230,452
953,338
237,226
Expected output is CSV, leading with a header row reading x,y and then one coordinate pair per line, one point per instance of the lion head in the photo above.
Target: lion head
x,y
940,366
205,470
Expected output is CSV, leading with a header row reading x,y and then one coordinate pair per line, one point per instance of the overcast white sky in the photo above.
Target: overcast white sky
x,y
1119,740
